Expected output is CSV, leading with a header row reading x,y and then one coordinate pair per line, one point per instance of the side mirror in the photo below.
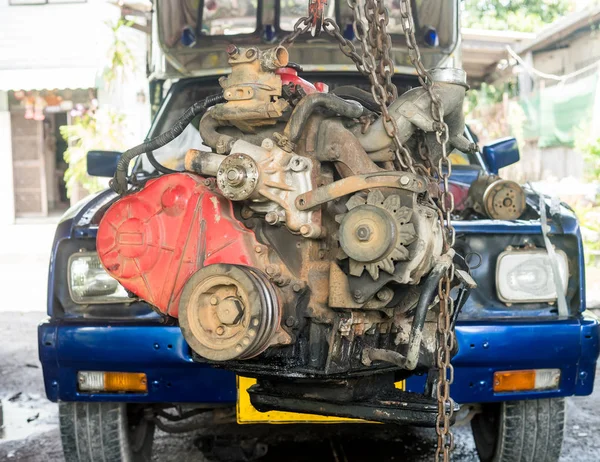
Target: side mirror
x,y
501,153
102,163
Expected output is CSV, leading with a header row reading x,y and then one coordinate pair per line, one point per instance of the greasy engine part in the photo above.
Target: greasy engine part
x,y
253,90
395,234
367,398
496,198
229,312
412,112
302,258
375,233
152,241
297,224
267,177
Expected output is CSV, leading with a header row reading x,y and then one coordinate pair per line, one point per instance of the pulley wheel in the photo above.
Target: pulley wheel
x,y
228,312
504,200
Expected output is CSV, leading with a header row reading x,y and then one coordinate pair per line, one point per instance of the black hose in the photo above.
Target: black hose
x,y
119,182
428,292
307,105
157,165
359,95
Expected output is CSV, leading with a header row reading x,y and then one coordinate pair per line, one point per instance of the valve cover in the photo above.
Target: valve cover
x,y
152,241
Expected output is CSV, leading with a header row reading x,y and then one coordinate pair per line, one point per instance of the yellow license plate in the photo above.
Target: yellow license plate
x,y
248,414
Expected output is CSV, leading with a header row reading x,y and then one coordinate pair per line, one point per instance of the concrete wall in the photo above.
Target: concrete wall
x,y
576,53
582,51
546,164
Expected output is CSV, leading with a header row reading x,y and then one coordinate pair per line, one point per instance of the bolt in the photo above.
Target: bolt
x,y
297,287
267,144
363,233
235,176
404,180
214,301
271,270
221,148
272,218
230,311
290,321
507,202
232,49
335,151
357,294
258,249
281,281
246,213
220,330
384,294
250,53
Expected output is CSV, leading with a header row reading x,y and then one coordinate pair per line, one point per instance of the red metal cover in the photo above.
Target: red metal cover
x,y
152,241
289,75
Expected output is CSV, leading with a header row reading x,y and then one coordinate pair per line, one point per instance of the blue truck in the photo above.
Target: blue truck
x,y
115,363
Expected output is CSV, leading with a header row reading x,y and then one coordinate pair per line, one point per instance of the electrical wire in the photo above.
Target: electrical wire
x,y
560,78
119,181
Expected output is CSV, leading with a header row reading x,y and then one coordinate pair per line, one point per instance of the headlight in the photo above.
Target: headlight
x,y
90,283
525,275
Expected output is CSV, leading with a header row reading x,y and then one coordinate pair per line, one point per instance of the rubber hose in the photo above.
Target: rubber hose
x,y
210,136
119,182
359,95
304,109
157,165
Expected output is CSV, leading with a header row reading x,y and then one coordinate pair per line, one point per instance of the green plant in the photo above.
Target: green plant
x,y
589,219
517,15
121,59
591,154
90,129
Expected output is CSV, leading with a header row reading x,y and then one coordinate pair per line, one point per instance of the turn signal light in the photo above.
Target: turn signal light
x,y
528,380
112,382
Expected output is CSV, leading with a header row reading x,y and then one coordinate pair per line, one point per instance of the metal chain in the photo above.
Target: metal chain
x,y
302,26
446,336
368,65
376,63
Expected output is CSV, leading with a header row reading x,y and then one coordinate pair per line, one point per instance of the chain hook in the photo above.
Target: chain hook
x,y
316,12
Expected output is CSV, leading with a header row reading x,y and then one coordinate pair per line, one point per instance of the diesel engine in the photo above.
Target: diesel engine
x,y
301,249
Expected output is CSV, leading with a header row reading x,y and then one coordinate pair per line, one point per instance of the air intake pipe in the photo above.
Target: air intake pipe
x,y
412,111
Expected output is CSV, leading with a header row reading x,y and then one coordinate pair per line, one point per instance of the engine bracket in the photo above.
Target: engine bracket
x,y
389,405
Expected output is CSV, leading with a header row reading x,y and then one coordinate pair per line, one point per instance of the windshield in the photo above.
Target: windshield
x,y
195,33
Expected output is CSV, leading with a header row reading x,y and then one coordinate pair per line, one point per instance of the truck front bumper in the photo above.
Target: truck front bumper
x,y
161,352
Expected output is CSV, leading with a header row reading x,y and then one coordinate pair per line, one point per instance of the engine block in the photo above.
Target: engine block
x,y
295,247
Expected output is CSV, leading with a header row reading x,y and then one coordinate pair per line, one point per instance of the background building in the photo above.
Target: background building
x,y
42,81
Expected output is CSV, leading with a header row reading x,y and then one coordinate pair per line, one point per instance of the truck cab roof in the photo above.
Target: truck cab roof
x,y
190,36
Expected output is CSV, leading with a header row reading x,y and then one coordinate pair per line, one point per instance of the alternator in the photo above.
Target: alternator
x,y
375,233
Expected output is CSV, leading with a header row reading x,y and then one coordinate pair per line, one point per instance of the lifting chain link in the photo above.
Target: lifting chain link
x,y
446,335
375,62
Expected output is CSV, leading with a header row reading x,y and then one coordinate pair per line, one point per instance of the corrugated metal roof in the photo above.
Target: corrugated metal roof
x,y
562,28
